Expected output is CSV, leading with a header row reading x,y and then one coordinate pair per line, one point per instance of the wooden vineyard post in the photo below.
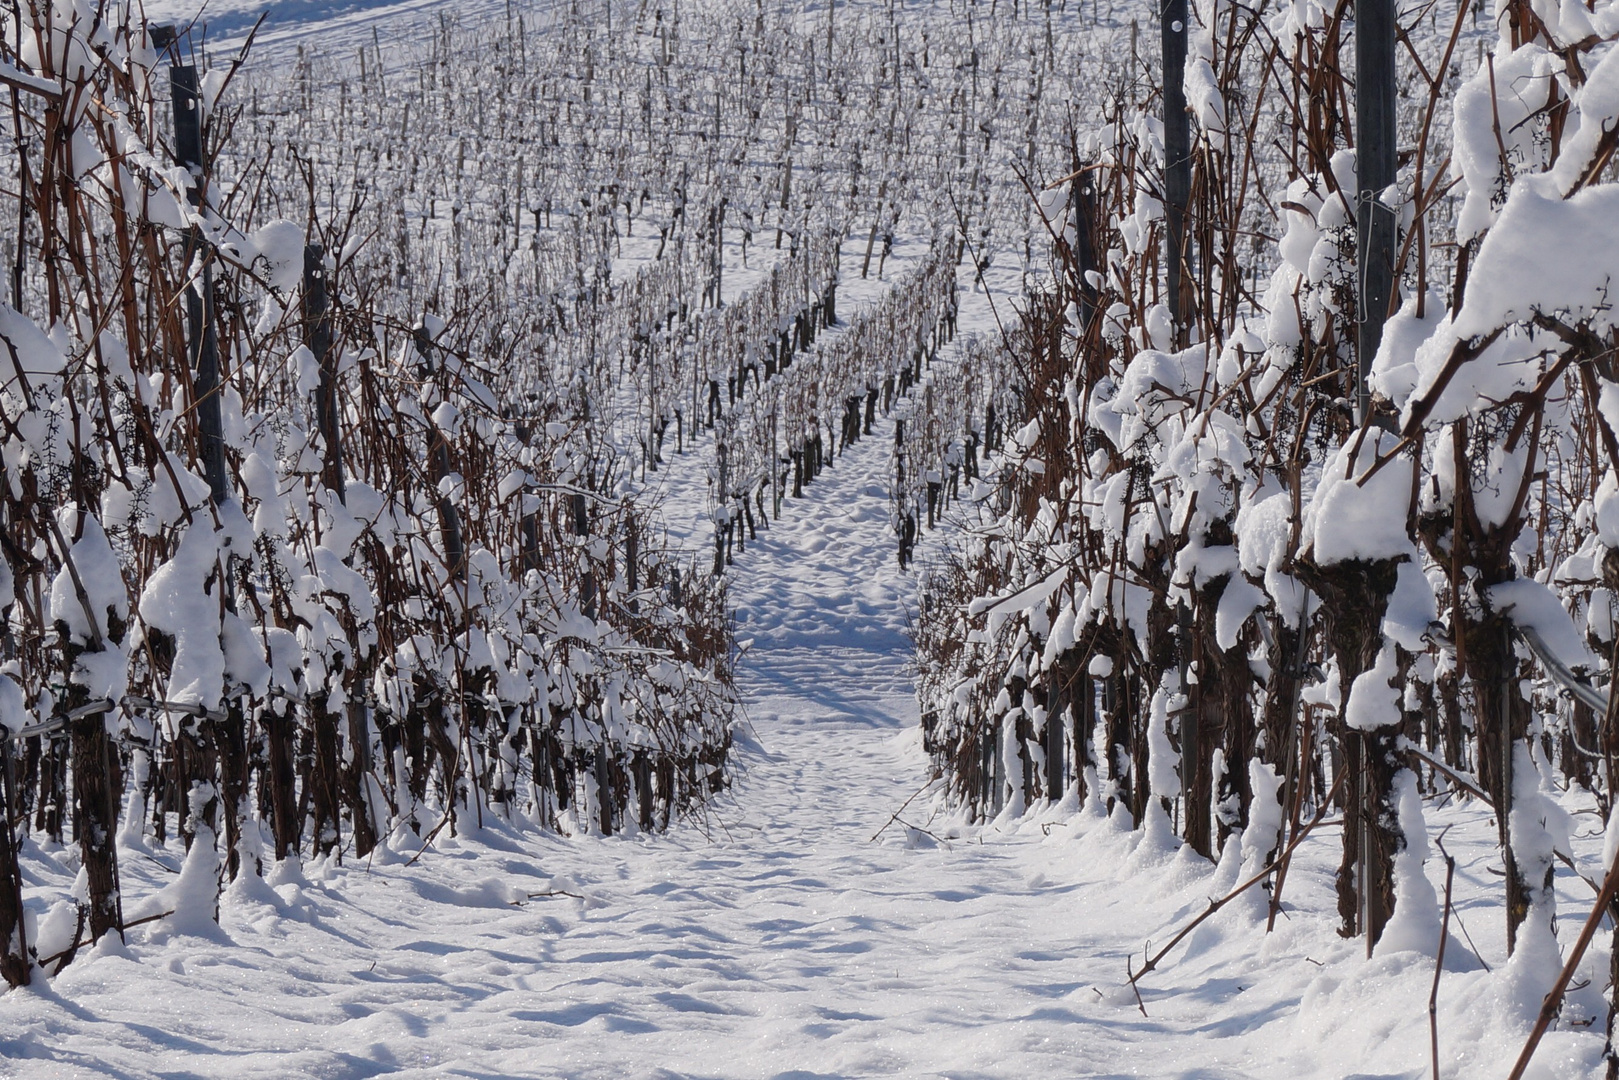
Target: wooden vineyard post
x,y
721,523
899,448
601,764
719,237
1177,164
1195,750
934,479
203,334
1376,223
997,793
325,778
438,463
318,338
528,525
228,734
1510,727
776,475
581,528
1373,754
279,730
604,786
986,772
1082,201
14,965
1082,712
641,763
1052,739
285,821
632,562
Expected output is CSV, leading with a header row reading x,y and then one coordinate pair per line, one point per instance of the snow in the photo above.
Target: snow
x,y
1260,839
1412,609
32,360
92,567
1610,839
13,707
999,609
1357,514
191,898
293,21
1533,606
1415,924
279,249
1163,761
1374,697
1489,117
1527,266
1596,107
1238,601
1535,825
1394,371
177,603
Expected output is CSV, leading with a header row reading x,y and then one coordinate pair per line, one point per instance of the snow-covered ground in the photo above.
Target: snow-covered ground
x,y
824,919
815,924
287,23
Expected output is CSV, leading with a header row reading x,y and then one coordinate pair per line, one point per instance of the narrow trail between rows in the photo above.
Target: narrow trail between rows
x,y
796,944
801,943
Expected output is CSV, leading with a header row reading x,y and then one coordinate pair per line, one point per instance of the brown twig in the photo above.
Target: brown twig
x,y
900,811
1216,905
1439,961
